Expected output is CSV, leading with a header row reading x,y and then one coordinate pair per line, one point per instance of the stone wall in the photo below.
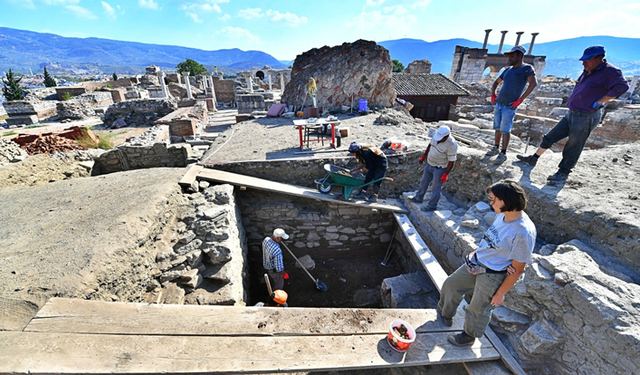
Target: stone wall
x,y
149,150
202,262
224,90
85,105
319,229
359,70
419,66
139,112
42,109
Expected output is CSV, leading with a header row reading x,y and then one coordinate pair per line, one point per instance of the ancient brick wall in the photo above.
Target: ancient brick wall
x,y
42,109
140,112
224,90
359,70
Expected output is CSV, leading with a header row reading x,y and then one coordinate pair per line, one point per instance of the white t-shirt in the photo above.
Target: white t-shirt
x,y
440,154
504,242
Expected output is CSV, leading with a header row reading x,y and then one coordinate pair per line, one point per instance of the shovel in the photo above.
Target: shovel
x,y
319,284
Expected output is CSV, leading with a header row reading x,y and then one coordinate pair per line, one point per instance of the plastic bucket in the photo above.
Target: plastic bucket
x,y
362,105
395,340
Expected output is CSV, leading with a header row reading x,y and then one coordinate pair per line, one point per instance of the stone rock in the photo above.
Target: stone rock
x,y
540,339
482,207
471,224
419,66
407,291
172,294
362,67
216,253
306,262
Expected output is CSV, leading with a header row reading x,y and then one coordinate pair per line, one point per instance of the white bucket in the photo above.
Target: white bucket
x,y
395,340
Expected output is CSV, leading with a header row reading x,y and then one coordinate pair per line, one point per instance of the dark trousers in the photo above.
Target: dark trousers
x,y
577,126
378,171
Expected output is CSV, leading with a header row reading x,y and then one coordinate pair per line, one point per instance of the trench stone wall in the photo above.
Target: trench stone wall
x,y
319,229
140,112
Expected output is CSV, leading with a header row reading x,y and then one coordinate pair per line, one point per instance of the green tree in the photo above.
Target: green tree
x,y
115,76
398,67
48,79
193,67
12,89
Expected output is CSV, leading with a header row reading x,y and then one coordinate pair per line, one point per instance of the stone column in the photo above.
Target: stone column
x,y
533,39
504,32
270,88
282,82
164,86
486,38
250,84
213,91
518,38
186,80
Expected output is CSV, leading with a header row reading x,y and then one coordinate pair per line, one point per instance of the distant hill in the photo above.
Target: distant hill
x,y
562,55
23,50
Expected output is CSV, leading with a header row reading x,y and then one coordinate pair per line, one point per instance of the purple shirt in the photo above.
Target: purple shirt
x,y
604,80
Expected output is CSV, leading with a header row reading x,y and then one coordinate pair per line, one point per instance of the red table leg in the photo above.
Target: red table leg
x,y
333,135
300,132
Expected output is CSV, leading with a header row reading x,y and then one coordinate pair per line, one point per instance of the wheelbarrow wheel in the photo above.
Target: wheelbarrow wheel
x,y
325,189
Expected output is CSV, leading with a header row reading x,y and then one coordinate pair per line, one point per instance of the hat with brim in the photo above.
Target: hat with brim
x,y
518,48
442,132
592,52
280,233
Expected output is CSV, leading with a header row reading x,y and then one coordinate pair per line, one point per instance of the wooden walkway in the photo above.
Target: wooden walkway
x,y
208,174
70,336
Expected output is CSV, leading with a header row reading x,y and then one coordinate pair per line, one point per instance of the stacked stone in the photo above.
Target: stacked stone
x,y
207,250
139,112
85,106
10,152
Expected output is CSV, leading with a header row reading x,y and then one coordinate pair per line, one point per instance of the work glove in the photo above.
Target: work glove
x,y
597,105
516,103
444,178
422,158
286,276
493,98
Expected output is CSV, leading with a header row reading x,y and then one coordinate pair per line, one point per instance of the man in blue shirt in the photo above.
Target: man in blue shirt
x,y
272,258
598,83
513,80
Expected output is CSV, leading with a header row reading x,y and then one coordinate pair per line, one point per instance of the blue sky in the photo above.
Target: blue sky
x,y
287,28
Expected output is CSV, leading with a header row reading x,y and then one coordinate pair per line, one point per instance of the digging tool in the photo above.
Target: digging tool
x,y
266,279
389,251
319,284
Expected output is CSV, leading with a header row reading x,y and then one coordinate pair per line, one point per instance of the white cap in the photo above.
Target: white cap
x,y
442,132
279,233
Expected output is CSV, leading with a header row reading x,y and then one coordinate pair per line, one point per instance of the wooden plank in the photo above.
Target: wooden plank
x,y
507,358
80,316
190,177
300,191
71,353
486,367
429,262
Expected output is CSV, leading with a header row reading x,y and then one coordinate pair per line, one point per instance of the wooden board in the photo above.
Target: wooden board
x,y
190,177
429,262
80,316
300,191
73,353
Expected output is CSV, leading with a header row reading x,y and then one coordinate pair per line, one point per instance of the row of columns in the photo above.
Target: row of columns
x,y
504,32
208,85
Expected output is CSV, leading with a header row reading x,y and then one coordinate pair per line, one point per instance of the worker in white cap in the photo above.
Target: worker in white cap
x,y
272,258
440,155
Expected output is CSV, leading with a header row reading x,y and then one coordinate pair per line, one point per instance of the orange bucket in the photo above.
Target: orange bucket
x,y
395,340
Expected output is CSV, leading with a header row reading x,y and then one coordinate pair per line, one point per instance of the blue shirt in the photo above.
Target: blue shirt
x,y
513,82
604,80
272,255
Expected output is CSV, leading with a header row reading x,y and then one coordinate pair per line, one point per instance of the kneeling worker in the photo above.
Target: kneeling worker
x,y
372,160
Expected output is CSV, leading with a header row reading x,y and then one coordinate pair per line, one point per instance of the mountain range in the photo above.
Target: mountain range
x,y
22,50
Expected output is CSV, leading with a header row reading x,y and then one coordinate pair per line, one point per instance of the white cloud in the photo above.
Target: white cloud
x,y
250,13
60,2
289,18
386,19
108,10
24,3
81,12
237,33
149,4
225,17
373,3
194,16
420,4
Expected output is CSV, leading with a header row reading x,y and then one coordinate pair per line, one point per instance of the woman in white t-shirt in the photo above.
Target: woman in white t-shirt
x,y
494,267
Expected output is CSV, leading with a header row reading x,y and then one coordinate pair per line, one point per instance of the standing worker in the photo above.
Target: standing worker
x,y
272,258
489,272
441,154
372,160
598,83
513,79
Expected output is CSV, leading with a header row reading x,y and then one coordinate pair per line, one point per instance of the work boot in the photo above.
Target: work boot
x,y
531,160
361,195
558,177
462,339
500,159
416,199
493,151
428,208
373,198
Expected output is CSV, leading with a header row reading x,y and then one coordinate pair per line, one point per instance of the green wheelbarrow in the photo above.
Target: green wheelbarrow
x,y
351,184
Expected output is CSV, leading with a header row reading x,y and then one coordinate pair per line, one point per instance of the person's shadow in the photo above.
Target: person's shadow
x,y
551,188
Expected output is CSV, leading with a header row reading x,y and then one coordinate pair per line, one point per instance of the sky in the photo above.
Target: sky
x,y
287,28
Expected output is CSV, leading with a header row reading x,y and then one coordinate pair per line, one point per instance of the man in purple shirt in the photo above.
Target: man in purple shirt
x,y
598,83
